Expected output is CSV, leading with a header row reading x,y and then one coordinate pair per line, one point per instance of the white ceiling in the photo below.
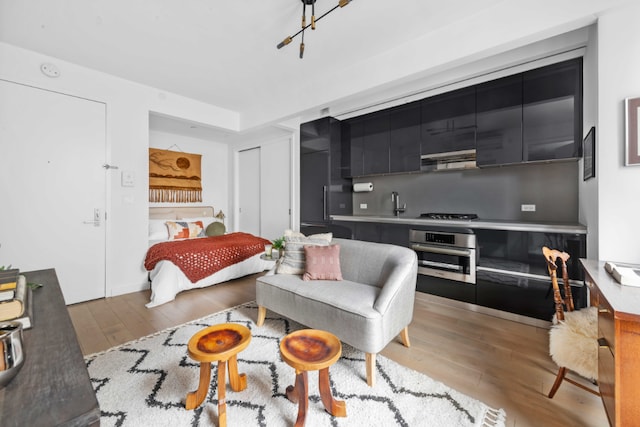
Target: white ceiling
x,y
224,52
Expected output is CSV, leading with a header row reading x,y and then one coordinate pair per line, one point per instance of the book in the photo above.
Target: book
x,y
7,295
623,275
14,308
27,318
9,279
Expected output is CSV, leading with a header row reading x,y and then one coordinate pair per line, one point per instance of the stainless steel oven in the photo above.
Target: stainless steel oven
x,y
447,253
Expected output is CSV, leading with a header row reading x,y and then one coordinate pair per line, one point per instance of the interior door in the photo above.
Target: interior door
x,y
52,187
275,207
249,191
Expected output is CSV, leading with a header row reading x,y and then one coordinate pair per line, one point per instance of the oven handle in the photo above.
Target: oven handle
x,y
445,251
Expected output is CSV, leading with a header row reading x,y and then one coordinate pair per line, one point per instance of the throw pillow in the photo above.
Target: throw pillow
x,y
215,229
184,230
293,260
322,263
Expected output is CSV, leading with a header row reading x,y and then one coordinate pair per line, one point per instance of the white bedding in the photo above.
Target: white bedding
x,y
167,279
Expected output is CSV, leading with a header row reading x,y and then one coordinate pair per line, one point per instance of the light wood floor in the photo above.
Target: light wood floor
x,y
502,363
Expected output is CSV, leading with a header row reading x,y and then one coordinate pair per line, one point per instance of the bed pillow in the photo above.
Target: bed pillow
x,y
322,263
158,230
215,229
293,259
185,230
205,220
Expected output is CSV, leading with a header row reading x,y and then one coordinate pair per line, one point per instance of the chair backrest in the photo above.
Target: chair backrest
x,y
566,302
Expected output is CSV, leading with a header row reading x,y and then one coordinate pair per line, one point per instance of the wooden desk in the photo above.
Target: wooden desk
x,y
619,333
52,388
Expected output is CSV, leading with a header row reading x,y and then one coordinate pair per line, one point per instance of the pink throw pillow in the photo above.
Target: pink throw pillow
x,y
322,263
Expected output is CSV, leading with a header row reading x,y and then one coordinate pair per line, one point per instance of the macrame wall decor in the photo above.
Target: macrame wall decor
x,y
174,176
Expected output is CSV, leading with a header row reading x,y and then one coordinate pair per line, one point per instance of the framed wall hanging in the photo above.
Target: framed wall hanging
x,y
589,154
632,125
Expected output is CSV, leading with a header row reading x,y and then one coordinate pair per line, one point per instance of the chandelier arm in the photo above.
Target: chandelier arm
x,y
286,41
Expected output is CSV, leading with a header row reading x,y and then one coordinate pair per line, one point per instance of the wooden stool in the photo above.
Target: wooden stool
x,y
312,350
219,343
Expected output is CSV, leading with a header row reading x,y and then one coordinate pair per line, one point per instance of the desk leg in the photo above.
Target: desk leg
x,y
337,408
195,398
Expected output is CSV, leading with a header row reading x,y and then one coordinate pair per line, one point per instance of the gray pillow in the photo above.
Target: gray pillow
x,y
293,261
215,229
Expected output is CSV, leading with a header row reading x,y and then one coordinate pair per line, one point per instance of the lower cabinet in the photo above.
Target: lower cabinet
x,y
458,291
521,295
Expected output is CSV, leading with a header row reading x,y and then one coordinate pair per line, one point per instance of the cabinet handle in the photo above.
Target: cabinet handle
x,y
602,342
324,202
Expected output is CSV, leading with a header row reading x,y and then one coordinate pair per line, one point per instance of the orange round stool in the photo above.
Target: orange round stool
x,y
312,350
218,343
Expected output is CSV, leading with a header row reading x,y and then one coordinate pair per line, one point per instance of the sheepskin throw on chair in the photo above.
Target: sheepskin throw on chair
x,y
174,176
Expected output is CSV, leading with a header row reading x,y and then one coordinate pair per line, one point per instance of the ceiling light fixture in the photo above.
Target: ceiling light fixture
x,y
312,3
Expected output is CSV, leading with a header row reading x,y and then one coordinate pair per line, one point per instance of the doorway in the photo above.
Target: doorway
x,y
53,187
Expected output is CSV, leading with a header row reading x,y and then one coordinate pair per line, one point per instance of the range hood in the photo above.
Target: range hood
x,y
452,160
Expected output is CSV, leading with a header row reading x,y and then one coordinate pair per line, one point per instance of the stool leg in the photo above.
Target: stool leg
x,y
300,394
337,408
195,398
222,403
238,382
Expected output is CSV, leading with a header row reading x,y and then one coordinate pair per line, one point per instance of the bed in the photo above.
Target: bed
x,y
205,260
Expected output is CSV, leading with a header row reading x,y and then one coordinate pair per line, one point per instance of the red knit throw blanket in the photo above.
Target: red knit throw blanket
x,y
199,258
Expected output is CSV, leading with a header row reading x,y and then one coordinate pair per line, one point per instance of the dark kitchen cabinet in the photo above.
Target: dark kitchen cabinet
x,y
449,122
552,112
404,138
531,116
323,165
375,143
369,144
499,121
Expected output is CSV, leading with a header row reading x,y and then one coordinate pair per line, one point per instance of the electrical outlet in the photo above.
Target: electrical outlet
x,y
363,206
528,208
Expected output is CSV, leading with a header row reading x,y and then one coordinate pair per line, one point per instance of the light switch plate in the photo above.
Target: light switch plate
x,y
128,178
528,208
363,206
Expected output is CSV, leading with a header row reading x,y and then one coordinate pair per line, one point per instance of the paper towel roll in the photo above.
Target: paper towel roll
x,y
362,186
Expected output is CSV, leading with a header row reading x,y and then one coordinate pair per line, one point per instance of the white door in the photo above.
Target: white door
x,y
52,187
276,189
249,191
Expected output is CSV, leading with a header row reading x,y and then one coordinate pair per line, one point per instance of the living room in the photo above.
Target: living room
x,y
604,30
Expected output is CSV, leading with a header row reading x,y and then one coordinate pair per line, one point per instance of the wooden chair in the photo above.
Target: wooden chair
x,y
573,340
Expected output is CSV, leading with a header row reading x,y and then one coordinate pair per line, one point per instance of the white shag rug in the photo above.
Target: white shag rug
x,y
145,382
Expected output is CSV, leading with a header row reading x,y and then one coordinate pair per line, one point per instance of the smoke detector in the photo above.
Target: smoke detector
x,y
50,70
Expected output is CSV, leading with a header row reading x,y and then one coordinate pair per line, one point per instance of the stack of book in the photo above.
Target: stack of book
x,y
15,298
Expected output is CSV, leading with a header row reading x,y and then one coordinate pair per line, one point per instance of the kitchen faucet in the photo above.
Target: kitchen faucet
x,y
397,210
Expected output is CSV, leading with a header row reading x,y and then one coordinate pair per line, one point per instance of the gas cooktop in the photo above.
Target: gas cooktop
x,y
438,215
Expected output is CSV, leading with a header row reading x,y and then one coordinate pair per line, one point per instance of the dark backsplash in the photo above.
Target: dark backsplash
x,y
491,193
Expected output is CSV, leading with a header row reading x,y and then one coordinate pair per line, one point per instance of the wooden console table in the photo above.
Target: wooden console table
x,y
619,337
52,388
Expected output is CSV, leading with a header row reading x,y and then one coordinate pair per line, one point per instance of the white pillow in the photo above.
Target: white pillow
x,y
206,220
158,229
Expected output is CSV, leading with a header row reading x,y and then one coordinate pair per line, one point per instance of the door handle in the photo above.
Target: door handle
x,y
96,218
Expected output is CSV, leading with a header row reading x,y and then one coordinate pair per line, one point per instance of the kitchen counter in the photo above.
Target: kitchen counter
x,y
544,227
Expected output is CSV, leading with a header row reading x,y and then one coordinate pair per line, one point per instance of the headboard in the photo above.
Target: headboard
x,y
179,212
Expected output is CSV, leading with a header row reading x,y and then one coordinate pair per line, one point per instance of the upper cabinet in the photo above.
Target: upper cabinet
x,y
552,112
527,117
404,138
449,122
532,116
499,121
323,165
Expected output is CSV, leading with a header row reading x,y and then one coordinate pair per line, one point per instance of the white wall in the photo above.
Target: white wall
x,y
618,186
128,107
